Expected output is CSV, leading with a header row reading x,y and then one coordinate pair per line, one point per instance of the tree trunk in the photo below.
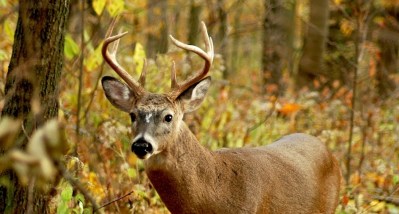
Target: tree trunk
x,y
235,44
311,63
194,21
32,86
157,37
222,35
276,44
388,63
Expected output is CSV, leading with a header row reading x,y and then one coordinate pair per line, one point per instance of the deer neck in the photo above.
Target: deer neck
x,y
182,171
184,152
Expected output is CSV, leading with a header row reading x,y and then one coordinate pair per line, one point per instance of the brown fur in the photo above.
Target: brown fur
x,y
295,174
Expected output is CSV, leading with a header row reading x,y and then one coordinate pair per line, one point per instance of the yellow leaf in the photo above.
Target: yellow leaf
x,y
115,7
377,206
71,49
346,27
95,59
337,2
138,58
94,186
9,27
98,6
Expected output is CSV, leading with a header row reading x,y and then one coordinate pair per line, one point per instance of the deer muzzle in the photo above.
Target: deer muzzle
x,y
142,148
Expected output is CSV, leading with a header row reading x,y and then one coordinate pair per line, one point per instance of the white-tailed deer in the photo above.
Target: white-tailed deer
x,y
296,174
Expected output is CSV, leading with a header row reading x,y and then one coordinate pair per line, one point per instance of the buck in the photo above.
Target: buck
x,y
295,174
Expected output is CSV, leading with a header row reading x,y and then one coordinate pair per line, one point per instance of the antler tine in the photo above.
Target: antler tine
x,y
110,58
207,56
174,83
143,73
208,42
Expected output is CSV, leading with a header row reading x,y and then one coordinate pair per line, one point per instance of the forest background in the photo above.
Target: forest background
x,y
326,68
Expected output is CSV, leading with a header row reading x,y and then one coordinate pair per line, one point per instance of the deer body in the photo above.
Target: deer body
x,y
296,174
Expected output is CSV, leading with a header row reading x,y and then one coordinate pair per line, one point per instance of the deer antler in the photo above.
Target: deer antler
x,y
110,58
177,89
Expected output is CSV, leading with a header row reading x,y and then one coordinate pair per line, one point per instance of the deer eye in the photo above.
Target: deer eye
x,y
133,117
168,118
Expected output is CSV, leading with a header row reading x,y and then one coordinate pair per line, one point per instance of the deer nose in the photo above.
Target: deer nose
x,y
141,148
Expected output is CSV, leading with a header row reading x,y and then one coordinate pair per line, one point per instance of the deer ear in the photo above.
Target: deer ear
x,y
118,93
193,96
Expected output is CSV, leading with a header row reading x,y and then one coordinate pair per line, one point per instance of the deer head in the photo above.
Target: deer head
x,y
156,118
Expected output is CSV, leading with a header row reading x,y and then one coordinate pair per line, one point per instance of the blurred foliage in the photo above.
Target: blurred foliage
x,y
236,112
35,164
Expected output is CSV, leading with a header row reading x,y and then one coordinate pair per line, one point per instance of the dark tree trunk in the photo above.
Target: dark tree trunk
x,y
235,44
157,38
276,44
316,33
32,85
222,35
194,21
388,63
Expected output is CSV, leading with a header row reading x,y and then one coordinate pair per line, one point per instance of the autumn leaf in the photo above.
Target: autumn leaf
x,y
346,27
98,6
115,7
289,108
71,49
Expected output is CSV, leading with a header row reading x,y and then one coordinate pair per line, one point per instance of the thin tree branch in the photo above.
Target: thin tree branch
x,y
31,187
388,199
82,48
264,120
93,92
75,183
362,31
115,200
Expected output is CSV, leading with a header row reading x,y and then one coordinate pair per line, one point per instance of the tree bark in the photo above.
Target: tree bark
x,y
222,36
194,21
235,44
276,44
32,86
388,62
157,37
315,38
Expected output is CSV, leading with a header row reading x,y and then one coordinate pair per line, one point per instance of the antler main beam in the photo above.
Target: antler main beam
x,y
177,89
110,58
207,55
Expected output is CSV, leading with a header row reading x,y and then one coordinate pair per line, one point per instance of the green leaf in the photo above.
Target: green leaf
x,y
71,49
131,172
98,6
62,208
80,197
66,194
88,210
115,7
395,179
